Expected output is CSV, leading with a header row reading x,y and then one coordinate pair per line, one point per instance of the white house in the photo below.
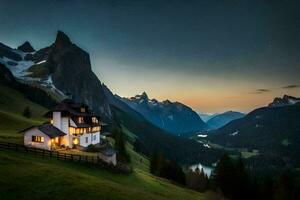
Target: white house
x,y
72,125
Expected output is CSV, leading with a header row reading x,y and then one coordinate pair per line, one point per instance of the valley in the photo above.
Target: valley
x,y
32,82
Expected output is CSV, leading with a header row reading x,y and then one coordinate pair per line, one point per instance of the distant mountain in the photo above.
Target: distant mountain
x,y
205,117
284,101
273,131
26,47
220,120
173,117
62,69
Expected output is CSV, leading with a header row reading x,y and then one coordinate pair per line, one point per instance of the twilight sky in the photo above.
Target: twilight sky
x,y
211,55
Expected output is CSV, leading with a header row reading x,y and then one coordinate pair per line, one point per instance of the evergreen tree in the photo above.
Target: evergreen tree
x,y
122,154
164,168
197,180
239,180
222,176
285,187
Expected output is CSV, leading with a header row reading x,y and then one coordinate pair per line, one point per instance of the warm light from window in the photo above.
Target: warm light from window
x,y
75,141
37,139
95,120
80,120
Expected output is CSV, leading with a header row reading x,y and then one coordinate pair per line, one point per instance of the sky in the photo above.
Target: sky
x,y
211,55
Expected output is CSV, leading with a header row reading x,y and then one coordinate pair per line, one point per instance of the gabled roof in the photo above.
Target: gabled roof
x,y
47,129
68,107
51,130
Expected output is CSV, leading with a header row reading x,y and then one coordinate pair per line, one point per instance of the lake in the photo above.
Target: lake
x,y
207,170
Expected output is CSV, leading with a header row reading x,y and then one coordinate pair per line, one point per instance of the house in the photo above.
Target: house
x,y
72,125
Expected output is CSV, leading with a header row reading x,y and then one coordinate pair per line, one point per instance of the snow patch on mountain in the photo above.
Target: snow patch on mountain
x,y
234,133
18,68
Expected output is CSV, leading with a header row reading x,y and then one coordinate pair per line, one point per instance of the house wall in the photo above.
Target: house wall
x,y
72,123
82,139
35,132
67,139
109,159
57,119
91,139
95,138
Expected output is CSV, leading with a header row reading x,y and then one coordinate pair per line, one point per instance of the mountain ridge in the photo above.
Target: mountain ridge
x,y
61,68
173,117
222,119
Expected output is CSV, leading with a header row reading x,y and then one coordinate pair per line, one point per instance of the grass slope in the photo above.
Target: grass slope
x,y
12,104
24,176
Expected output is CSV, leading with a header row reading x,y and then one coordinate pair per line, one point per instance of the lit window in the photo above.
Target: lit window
x,y
82,109
75,141
94,120
37,139
80,120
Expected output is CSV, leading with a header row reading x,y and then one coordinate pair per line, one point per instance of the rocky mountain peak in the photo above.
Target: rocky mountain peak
x,y
26,47
142,96
284,101
62,40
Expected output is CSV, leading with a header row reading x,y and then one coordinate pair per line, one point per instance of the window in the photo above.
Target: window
x,y
95,137
37,139
86,139
94,120
80,120
82,109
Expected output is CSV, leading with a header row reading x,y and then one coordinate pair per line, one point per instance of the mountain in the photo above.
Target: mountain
x,y
26,47
173,117
284,101
63,69
115,101
273,132
220,120
6,77
205,117
150,139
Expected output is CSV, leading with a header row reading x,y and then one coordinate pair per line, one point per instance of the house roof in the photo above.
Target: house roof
x,y
68,107
51,130
47,129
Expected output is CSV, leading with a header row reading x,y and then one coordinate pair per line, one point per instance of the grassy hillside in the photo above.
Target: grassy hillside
x,y
12,105
154,139
36,178
24,176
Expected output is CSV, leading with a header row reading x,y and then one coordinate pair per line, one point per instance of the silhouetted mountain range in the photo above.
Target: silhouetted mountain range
x,y
173,117
273,131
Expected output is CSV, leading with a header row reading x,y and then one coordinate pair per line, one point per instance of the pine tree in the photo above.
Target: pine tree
x,y
222,176
239,180
122,154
